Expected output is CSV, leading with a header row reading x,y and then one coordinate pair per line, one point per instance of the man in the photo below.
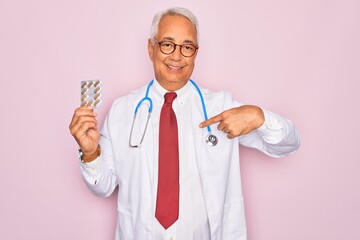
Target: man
x,y
205,199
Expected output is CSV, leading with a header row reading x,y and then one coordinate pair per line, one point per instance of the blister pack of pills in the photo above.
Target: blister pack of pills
x,y
91,93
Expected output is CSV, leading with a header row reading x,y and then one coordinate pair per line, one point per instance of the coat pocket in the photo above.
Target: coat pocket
x,y
234,226
124,229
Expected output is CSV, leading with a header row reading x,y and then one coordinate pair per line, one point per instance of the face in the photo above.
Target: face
x,y
174,70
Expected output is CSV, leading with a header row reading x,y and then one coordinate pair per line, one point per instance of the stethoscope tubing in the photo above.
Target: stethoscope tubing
x,y
210,138
146,98
202,103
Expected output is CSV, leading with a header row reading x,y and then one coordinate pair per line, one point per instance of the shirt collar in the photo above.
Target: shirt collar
x,y
182,93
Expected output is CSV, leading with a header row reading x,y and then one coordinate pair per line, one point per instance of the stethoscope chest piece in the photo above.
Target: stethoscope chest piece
x,y
211,140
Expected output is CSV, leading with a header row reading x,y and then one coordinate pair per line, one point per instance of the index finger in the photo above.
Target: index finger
x,y
83,111
211,121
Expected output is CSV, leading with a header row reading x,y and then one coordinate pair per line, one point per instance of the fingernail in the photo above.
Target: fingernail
x,y
200,125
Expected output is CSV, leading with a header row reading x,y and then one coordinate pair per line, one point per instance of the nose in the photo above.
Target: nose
x,y
176,55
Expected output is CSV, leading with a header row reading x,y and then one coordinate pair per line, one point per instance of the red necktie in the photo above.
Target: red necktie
x,y
167,202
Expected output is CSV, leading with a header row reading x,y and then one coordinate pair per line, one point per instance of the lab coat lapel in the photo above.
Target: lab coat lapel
x,y
147,152
203,162
198,133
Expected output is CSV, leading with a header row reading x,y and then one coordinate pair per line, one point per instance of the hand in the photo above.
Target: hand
x,y
84,129
237,121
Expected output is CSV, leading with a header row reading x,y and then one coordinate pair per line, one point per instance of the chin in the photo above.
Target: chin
x,y
173,84
178,80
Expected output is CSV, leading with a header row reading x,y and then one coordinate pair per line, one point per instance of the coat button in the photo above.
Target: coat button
x,y
148,228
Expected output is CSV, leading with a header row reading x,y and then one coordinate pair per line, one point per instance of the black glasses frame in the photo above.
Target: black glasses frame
x,y
175,45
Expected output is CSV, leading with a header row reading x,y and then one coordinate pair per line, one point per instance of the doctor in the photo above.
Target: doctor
x,y
208,199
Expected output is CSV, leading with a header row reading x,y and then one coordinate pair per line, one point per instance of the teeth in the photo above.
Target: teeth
x,y
174,67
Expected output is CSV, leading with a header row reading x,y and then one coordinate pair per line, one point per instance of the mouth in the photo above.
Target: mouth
x,y
174,68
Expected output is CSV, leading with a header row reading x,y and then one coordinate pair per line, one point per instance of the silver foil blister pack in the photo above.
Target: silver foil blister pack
x,y
91,93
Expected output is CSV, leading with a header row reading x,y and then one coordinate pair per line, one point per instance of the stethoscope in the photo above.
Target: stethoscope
x,y
210,139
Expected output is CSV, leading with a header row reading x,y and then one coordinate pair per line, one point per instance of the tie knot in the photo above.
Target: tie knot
x,y
169,97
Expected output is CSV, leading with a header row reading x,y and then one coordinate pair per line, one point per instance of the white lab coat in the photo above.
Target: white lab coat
x,y
132,168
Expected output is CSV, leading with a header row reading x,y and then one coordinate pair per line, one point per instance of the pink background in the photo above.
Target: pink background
x,y
300,59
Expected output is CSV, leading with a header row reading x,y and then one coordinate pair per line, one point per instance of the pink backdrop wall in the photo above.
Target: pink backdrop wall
x,y
297,58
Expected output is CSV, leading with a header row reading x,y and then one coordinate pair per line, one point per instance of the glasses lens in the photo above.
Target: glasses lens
x,y
188,50
167,47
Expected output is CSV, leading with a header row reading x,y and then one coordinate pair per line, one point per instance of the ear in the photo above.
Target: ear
x,y
195,55
150,49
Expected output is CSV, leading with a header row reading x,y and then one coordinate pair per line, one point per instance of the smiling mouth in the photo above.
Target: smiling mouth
x,y
174,68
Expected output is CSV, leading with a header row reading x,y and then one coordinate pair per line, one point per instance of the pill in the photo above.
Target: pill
x,y
84,91
90,84
97,83
97,102
97,96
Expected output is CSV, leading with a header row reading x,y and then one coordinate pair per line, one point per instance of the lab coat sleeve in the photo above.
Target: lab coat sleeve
x,y
99,175
276,137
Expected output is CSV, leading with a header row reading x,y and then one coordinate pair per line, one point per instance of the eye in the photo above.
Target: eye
x,y
189,47
167,45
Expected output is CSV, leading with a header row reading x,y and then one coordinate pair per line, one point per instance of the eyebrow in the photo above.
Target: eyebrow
x,y
172,39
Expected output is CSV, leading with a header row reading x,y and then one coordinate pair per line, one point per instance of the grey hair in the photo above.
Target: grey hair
x,y
176,11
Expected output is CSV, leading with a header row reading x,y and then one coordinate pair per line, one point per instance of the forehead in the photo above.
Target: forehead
x,y
178,28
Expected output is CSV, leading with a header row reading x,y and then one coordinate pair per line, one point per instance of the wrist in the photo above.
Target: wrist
x,y
84,158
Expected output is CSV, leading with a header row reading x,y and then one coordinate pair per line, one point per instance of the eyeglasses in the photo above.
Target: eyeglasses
x,y
168,47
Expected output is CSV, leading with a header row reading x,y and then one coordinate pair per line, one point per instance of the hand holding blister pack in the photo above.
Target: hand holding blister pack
x,y
91,93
